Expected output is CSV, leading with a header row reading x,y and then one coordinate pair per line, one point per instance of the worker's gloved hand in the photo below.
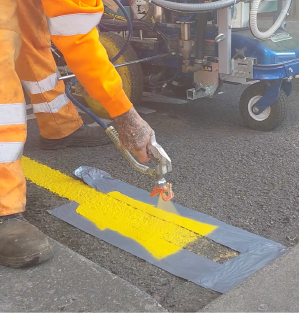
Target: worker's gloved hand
x,y
134,134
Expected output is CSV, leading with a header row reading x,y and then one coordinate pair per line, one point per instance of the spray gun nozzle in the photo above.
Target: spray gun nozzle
x,y
165,192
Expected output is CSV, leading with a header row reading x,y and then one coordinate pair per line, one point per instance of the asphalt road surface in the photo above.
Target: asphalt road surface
x,y
246,178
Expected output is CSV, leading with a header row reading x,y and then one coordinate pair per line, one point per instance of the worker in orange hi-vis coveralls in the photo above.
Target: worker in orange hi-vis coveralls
x,y
26,30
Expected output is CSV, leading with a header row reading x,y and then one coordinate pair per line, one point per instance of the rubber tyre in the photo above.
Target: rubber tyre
x,y
132,76
278,109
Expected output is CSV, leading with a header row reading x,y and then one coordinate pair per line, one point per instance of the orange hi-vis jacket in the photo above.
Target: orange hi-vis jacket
x,y
72,24
26,30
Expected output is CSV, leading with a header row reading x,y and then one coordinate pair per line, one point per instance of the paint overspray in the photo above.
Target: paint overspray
x,y
166,206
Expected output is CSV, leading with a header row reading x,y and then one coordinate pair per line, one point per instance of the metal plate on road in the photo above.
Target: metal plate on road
x,y
128,218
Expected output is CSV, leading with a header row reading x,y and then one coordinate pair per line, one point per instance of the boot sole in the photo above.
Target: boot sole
x,y
75,143
28,261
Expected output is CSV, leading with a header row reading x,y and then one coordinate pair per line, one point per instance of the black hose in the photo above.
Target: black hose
x,y
130,29
170,79
121,26
118,26
202,21
157,83
151,79
81,106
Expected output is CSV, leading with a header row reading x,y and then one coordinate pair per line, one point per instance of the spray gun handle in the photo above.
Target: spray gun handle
x,y
157,153
112,133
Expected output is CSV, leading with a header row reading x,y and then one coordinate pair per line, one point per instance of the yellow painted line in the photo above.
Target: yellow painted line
x,y
161,233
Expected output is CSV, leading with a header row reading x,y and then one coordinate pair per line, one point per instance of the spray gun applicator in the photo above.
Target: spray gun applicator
x,y
157,154
154,151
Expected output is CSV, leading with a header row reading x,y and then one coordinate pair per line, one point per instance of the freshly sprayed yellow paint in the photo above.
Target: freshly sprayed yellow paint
x,y
197,227
159,232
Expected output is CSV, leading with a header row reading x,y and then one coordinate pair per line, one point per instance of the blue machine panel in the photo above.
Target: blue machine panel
x,y
266,52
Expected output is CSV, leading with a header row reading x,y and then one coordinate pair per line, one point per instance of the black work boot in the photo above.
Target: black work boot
x,y
85,136
21,244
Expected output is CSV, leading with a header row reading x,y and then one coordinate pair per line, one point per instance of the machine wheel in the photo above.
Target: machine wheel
x,y
132,76
268,120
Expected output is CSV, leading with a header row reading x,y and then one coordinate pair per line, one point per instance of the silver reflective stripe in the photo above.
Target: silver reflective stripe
x,y
51,107
14,113
11,151
43,85
73,24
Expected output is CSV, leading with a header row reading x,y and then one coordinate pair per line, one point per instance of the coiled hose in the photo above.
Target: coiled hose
x,y
130,29
195,7
253,20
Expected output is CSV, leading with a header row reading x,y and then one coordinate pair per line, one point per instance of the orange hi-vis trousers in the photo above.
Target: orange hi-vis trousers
x,y
26,29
